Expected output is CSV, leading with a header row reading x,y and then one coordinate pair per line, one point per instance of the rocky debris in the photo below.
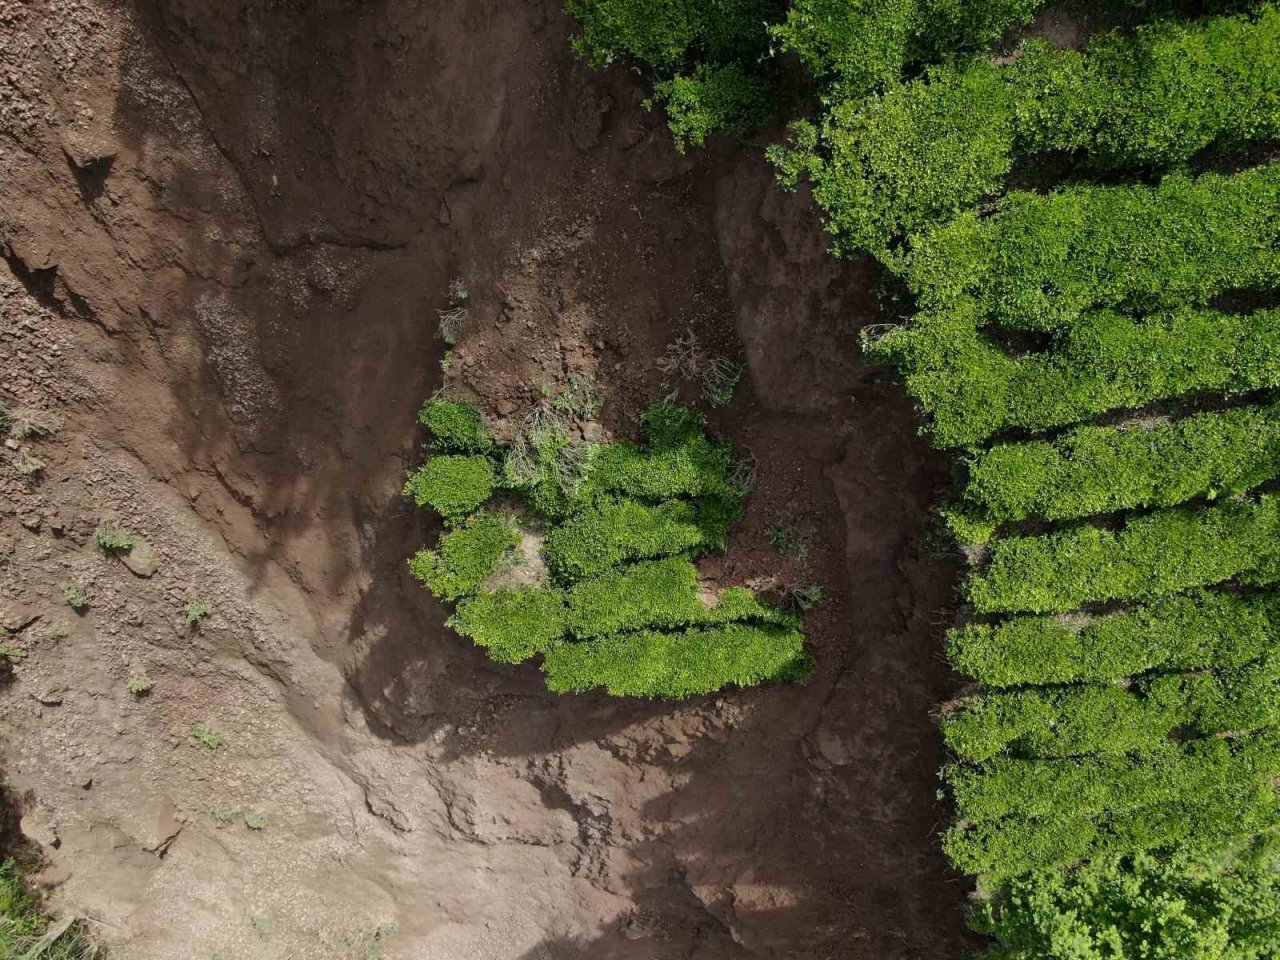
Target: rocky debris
x,y
143,560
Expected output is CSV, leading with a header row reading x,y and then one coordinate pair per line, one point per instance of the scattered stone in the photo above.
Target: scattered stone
x,y
142,560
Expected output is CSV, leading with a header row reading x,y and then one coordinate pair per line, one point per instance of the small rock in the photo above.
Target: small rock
x,y
31,522
11,443
36,827
142,560
18,616
51,697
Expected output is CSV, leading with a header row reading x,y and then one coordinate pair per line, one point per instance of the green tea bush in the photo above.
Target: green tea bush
x,y
624,523
1194,826
1036,789
513,625
860,45
708,58
893,164
466,556
455,427
1113,719
452,485
973,389
1191,632
1039,262
1156,908
657,594
615,531
1165,552
651,664
714,99
1094,470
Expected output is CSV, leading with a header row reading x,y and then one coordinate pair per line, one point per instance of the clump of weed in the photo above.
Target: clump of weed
x,y
26,424
139,684
255,820
195,611
803,597
211,738
581,398
367,943
685,358
26,464
454,320
77,595
114,539
224,816
788,540
26,933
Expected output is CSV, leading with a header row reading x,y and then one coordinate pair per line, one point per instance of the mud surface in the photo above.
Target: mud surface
x,y
228,228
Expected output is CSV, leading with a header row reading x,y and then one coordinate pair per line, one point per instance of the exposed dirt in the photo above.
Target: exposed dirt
x,y
229,228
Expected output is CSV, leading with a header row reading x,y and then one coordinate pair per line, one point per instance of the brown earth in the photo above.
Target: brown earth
x,y
229,227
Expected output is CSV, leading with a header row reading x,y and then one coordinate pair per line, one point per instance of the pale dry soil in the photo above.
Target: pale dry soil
x,y
227,228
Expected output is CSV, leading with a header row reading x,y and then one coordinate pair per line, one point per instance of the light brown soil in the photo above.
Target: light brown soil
x,y
228,229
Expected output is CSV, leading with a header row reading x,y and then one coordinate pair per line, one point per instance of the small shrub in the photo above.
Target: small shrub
x,y
208,736
77,595
114,539
139,684
512,625
455,427
788,540
453,322
466,556
196,611
452,485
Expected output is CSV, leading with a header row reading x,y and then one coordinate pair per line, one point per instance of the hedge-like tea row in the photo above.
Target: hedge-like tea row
x,y
615,531
1190,632
679,664
923,152
624,522
1039,262
515,624
1113,719
973,389
1195,826
1162,553
1035,789
1094,470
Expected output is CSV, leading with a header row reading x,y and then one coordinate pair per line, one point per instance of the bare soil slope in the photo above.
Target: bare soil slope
x,y
228,227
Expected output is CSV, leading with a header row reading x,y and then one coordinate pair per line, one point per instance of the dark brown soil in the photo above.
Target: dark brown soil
x,y
229,228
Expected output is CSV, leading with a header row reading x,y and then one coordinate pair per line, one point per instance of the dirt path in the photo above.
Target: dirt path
x,y
228,228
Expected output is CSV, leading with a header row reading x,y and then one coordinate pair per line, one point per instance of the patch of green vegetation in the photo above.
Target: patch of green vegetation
x,y
211,738
254,820
77,595
114,539
618,553
139,684
466,556
455,427
452,485
27,933
196,612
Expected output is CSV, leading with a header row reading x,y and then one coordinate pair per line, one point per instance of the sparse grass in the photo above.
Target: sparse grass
x,y
804,597
685,358
113,539
77,595
788,540
720,379
27,934
211,738
139,684
458,294
26,424
581,398
367,943
196,611
262,925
